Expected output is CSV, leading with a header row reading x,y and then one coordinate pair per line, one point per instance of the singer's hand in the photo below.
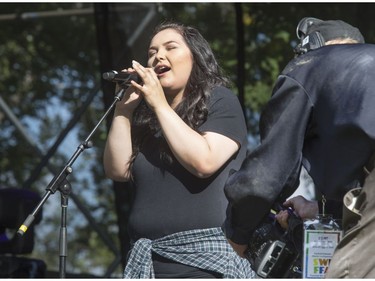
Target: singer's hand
x,y
239,249
151,89
282,218
132,96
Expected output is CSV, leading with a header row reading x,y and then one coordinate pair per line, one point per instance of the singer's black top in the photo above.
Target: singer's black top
x,y
169,199
321,115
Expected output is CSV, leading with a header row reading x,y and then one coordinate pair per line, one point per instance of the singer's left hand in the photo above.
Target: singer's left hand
x,y
282,218
131,98
239,249
151,89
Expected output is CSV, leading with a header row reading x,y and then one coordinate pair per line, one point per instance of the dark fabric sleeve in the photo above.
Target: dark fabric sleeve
x,y
274,165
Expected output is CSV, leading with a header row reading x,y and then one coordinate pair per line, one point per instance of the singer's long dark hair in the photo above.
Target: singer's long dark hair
x,y
206,74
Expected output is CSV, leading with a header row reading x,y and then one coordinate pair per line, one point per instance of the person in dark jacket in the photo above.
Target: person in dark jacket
x,y
320,116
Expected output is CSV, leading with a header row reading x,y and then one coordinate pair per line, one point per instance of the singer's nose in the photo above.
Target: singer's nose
x,y
160,55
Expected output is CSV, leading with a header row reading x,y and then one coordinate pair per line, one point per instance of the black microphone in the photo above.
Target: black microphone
x,y
121,77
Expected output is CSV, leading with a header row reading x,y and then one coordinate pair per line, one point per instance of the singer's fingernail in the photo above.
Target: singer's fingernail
x,y
135,62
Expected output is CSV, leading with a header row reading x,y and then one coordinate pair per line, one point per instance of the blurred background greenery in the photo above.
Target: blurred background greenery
x,y
52,56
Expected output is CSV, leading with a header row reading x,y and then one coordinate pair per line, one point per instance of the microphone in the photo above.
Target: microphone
x,y
122,77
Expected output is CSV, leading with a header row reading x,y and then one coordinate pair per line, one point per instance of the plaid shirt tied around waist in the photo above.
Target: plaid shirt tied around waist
x,y
206,249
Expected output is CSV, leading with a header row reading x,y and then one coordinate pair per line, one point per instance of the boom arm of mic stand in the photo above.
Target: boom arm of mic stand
x,y
61,178
60,182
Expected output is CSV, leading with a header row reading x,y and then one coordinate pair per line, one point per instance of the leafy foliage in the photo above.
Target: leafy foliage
x,y
49,71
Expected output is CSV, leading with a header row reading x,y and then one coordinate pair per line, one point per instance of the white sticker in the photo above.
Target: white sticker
x,y
319,246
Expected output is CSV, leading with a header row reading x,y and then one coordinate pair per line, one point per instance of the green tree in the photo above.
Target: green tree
x,y
48,71
51,59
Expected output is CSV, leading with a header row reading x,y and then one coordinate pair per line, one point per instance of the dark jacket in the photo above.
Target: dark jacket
x,y
321,115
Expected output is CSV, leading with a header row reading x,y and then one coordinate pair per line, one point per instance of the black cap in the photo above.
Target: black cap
x,y
329,29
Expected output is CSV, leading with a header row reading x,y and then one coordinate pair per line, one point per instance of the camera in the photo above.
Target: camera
x,y
275,252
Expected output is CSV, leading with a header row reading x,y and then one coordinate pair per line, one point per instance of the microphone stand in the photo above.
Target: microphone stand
x,y
61,183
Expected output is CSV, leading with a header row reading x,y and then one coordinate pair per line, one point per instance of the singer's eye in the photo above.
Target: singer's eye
x,y
151,53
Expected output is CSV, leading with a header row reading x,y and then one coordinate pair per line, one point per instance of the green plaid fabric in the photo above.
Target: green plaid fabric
x,y
202,248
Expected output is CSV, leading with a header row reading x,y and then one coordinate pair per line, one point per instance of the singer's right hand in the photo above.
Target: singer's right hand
x,y
131,99
118,148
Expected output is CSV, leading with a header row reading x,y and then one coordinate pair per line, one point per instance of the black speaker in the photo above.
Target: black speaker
x,y
19,267
15,206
